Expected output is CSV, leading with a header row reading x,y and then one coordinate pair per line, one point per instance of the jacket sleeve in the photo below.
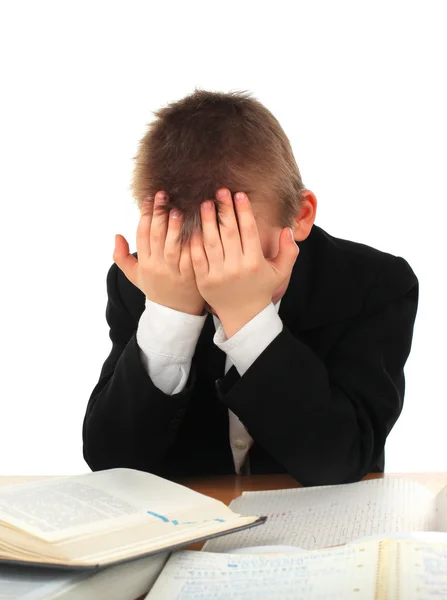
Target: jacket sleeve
x,y
129,422
327,422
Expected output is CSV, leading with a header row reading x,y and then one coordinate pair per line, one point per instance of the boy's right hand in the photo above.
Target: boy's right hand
x,y
163,271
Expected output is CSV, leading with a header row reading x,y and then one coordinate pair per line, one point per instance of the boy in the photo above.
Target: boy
x,y
245,338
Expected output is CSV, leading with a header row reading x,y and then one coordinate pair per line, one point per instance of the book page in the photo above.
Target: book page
x,y
319,517
422,571
117,498
334,574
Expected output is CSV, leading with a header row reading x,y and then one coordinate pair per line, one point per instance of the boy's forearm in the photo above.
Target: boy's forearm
x,y
251,340
288,406
167,339
233,321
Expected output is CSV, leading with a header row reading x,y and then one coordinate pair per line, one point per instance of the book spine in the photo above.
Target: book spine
x,y
388,571
383,572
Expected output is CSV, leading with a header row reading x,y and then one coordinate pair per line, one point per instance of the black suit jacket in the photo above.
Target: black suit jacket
x,y
319,401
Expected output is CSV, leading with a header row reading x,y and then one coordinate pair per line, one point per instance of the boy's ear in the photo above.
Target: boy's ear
x,y
304,220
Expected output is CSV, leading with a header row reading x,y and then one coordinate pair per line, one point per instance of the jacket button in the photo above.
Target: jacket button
x,y
240,445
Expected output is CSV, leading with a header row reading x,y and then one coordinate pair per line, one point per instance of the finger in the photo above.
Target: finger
x,y
159,227
198,255
211,236
185,260
124,260
144,228
287,253
172,247
248,230
229,230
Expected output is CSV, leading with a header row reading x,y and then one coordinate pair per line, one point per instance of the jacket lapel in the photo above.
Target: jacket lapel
x,y
322,287
215,357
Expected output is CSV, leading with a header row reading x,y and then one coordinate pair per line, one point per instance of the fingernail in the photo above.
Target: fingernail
x,y
291,234
239,197
175,214
161,196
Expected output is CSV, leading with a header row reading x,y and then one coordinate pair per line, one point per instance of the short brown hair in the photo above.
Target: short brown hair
x,y
210,140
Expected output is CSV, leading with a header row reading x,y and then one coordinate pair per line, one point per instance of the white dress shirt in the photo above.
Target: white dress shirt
x,y
167,339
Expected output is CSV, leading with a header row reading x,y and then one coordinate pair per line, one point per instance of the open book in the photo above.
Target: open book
x,y
324,516
374,570
106,517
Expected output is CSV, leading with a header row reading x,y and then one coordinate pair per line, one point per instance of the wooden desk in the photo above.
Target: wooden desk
x,y
228,487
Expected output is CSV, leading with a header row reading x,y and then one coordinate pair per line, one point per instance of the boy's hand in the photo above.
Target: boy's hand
x,y
231,272
163,271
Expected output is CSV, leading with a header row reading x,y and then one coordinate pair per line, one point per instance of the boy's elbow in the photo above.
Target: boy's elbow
x,y
98,453
347,465
331,474
93,456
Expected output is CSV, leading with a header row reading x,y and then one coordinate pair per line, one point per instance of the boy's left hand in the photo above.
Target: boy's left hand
x,y
232,274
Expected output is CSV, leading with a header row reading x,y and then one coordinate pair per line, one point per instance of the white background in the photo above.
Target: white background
x,y
359,88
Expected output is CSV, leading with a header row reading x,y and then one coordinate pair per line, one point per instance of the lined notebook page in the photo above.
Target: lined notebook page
x,y
334,574
319,517
421,573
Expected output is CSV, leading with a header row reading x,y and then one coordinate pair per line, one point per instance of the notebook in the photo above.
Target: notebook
x,y
374,570
324,516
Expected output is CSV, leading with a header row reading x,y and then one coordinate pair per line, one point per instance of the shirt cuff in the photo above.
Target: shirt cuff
x,y
244,347
168,332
